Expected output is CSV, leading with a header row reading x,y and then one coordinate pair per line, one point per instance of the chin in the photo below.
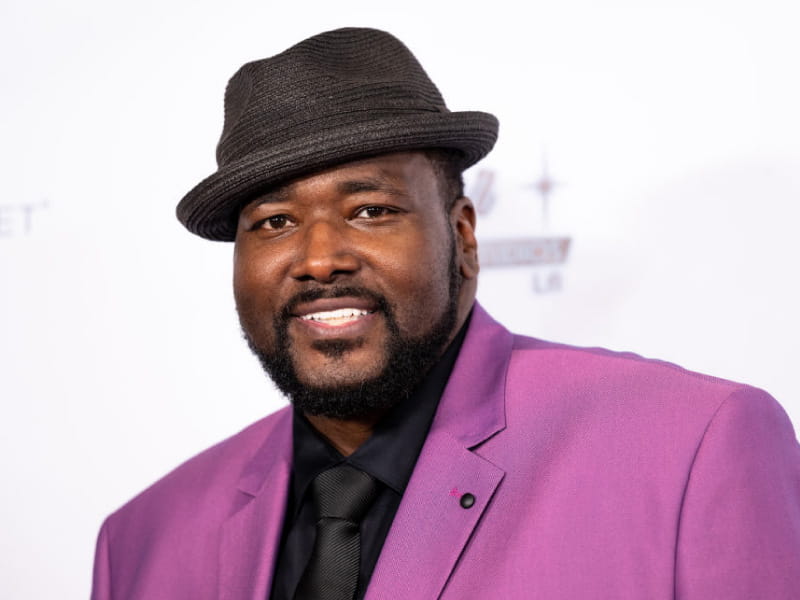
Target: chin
x,y
340,374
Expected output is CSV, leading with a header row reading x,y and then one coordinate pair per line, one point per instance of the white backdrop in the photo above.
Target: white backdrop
x,y
670,128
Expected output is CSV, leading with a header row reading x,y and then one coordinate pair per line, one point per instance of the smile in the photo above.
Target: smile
x,y
341,316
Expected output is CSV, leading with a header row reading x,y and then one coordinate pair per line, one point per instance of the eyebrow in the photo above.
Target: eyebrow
x,y
369,184
355,186
280,194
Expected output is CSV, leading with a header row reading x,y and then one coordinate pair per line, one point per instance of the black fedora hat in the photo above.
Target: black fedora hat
x,y
335,97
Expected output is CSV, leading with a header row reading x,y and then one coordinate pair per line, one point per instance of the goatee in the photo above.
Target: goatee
x,y
407,360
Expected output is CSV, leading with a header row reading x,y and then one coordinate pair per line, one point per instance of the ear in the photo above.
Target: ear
x,y
462,219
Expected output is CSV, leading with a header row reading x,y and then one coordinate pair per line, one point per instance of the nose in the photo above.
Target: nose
x,y
324,254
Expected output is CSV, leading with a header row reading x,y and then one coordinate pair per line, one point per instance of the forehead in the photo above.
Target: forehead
x,y
398,173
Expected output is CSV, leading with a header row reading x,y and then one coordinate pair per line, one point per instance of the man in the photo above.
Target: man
x,y
428,452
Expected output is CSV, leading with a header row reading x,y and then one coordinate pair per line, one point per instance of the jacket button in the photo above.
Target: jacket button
x,y
467,500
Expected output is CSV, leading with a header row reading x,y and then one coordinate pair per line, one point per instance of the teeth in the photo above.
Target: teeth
x,y
342,314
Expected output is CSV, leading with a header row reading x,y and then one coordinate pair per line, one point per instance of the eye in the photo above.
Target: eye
x,y
274,223
374,212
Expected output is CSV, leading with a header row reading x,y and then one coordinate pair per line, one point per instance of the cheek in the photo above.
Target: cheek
x,y
256,272
418,282
254,294
243,284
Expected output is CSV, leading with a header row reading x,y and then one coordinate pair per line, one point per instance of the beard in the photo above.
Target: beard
x,y
407,359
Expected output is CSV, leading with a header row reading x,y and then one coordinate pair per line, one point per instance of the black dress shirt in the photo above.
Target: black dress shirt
x,y
389,455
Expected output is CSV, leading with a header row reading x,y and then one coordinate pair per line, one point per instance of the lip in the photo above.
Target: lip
x,y
328,304
356,327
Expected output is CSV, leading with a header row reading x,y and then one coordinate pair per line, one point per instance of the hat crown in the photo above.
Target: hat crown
x,y
327,80
339,96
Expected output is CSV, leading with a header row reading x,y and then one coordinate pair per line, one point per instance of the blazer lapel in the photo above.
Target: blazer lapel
x,y
431,528
434,522
251,536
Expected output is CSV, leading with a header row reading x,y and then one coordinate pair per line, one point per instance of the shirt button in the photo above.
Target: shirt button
x,y
467,500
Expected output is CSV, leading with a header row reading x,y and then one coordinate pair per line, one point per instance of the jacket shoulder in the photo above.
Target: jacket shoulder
x,y
625,373
214,471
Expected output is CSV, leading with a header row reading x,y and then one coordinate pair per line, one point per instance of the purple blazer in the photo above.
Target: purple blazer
x,y
596,475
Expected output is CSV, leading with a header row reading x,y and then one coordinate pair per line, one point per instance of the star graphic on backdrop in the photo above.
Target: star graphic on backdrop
x,y
545,185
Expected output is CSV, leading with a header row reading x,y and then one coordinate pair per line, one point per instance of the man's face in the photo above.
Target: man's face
x,y
348,280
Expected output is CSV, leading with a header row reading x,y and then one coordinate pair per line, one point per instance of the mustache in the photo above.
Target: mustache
x,y
379,300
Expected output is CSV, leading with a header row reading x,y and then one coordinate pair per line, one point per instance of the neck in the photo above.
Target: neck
x,y
345,436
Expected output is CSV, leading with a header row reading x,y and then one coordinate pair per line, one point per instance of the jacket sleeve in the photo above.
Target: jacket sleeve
x,y
739,532
101,578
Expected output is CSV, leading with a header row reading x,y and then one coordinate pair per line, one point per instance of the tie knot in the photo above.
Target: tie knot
x,y
343,492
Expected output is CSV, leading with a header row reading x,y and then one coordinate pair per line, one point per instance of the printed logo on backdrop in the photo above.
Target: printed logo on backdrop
x,y
543,253
20,219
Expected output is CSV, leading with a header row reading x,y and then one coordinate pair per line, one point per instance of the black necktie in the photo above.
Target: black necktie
x,y
342,496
